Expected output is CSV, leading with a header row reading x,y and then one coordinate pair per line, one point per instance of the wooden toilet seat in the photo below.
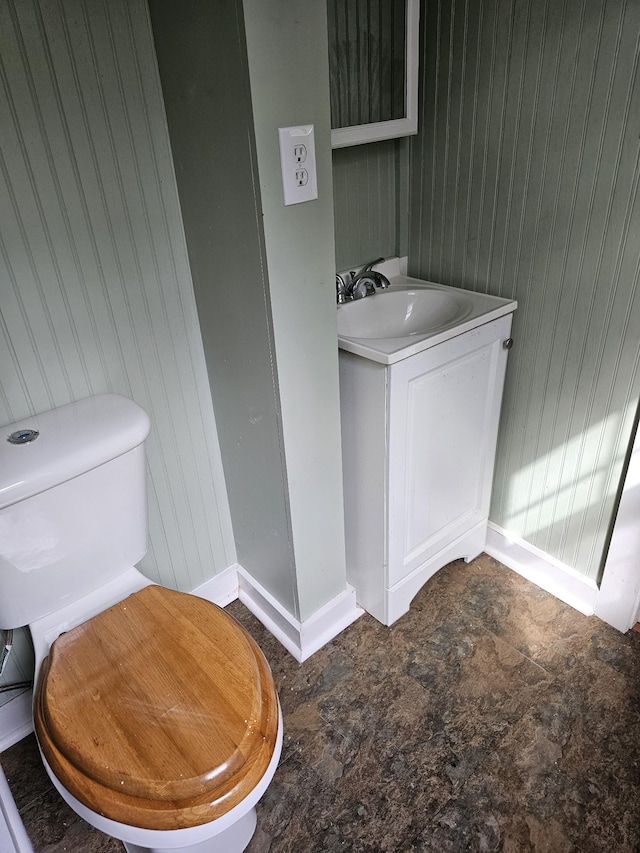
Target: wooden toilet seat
x,y
160,712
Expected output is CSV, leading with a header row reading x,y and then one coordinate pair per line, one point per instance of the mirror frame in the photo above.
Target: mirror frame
x,y
341,137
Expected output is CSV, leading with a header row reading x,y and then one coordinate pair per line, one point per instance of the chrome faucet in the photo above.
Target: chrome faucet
x,y
357,285
343,283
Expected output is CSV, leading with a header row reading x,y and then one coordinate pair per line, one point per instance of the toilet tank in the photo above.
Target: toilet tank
x,y
73,506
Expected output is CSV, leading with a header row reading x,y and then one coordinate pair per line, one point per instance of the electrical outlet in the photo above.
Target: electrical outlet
x,y
298,161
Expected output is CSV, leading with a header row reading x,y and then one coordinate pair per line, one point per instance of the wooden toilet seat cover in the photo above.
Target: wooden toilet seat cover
x,y
160,712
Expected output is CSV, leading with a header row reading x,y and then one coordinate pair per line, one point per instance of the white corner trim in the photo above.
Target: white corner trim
x,y
13,835
542,569
300,639
16,720
619,599
221,589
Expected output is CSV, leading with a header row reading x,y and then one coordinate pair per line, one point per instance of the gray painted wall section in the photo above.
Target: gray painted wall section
x,y
289,73
202,60
524,184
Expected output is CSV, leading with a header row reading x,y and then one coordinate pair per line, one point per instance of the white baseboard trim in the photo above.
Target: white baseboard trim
x,y
300,639
222,588
542,569
15,720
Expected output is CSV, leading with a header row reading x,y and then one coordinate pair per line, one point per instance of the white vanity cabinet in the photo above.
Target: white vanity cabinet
x,y
418,441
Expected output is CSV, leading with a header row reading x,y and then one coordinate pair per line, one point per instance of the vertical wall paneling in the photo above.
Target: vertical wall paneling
x,y
365,202
525,184
402,189
95,287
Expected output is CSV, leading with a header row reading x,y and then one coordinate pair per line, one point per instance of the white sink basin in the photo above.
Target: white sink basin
x,y
411,316
398,313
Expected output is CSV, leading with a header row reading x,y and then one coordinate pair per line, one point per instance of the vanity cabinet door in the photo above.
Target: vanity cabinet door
x,y
444,409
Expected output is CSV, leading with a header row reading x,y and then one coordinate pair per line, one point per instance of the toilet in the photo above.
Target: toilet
x,y
155,712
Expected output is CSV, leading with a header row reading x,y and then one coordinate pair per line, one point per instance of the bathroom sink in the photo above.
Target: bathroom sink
x,y
398,313
412,315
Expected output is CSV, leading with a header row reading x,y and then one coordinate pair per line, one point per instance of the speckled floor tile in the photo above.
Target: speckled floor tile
x,y
52,826
491,717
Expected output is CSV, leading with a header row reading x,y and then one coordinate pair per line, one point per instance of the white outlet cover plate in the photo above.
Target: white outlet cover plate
x,y
298,161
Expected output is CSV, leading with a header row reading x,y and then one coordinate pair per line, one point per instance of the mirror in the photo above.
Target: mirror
x,y
373,69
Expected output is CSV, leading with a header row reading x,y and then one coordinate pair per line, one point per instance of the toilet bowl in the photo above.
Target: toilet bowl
x,y
156,713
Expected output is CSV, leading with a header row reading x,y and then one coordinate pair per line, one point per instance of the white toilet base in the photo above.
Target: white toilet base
x,y
230,833
232,840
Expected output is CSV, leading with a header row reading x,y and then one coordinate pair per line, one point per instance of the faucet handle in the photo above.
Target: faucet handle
x,y
379,279
362,285
355,285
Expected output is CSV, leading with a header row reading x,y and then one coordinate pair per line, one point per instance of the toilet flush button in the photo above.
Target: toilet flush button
x,y
23,436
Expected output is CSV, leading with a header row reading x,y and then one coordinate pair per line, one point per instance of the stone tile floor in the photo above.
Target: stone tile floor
x,y
491,717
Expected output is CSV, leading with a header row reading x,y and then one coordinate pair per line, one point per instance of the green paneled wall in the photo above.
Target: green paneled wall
x,y
524,184
370,208
96,292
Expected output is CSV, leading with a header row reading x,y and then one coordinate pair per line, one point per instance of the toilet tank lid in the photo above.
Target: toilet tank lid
x,y
71,440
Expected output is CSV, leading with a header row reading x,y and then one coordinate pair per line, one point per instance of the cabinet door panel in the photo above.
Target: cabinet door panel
x,y
444,412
